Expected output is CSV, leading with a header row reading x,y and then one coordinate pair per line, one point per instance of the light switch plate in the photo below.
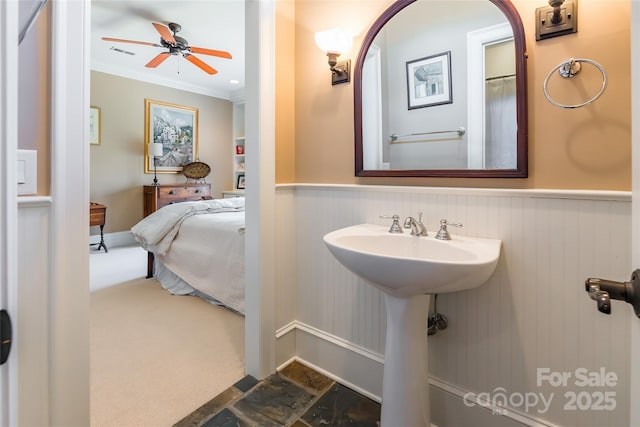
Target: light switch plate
x,y
22,171
27,172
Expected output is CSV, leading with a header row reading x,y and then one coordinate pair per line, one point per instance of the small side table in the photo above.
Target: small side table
x,y
97,216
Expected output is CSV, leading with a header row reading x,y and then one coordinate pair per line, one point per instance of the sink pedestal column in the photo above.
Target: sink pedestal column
x,y
405,388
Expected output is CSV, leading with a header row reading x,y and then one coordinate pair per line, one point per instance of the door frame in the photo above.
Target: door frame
x,y
69,215
260,286
66,255
477,41
8,200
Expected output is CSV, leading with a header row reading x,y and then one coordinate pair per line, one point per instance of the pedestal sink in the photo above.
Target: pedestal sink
x,y
407,269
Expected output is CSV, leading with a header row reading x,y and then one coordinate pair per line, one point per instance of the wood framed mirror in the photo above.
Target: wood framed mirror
x,y
440,90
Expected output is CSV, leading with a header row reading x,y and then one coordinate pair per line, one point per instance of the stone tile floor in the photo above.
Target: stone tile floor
x,y
297,396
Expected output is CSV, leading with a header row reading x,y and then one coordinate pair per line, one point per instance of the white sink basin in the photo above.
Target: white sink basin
x,y
407,269
403,265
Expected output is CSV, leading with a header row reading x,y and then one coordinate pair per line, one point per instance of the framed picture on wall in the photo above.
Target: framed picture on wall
x,y
176,128
94,126
240,183
429,81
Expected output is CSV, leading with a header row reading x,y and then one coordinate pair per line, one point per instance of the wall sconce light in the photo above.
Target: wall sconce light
x,y
557,19
155,150
336,42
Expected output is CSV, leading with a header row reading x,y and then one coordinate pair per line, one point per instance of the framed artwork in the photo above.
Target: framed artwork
x,y
176,128
429,81
94,126
240,183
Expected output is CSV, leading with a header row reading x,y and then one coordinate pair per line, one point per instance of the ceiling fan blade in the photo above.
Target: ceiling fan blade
x,y
212,52
111,39
159,59
165,33
199,63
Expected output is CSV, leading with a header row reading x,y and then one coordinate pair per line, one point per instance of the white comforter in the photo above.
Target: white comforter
x,y
156,232
201,244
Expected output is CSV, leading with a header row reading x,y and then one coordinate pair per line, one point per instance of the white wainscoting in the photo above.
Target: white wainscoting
x,y
532,314
33,318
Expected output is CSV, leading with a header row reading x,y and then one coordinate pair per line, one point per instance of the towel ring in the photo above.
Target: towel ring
x,y
569,69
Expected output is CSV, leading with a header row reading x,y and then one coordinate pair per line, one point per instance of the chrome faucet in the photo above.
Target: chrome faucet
x,y
416,226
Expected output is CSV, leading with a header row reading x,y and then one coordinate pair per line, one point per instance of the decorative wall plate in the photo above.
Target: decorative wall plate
x,y
196,170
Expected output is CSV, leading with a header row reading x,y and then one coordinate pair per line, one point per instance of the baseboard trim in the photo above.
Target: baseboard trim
x,y
341,342
460,394
342,361
480,402
336,378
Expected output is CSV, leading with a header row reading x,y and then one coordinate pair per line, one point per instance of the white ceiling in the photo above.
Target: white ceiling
x,y
212,24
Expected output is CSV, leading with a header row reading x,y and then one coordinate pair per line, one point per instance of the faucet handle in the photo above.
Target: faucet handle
x,y
395,226
443,233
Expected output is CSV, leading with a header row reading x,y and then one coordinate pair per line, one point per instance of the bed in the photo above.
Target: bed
x,y
198,249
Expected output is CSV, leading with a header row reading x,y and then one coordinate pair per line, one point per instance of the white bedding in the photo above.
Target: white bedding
x,y
157,231
205,254
208,254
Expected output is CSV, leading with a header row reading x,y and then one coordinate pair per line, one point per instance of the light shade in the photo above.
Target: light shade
x,y
156,149
334,40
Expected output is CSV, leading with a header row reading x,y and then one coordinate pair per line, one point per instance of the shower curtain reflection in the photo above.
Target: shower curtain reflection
x,y
500,123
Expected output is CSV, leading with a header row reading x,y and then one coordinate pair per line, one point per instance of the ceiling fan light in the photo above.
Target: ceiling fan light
x,y
176,46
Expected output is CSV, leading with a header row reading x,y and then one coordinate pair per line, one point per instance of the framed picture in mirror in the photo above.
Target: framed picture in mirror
x,y
429,81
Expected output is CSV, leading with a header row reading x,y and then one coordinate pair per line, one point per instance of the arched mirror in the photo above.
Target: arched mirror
x,y
440,90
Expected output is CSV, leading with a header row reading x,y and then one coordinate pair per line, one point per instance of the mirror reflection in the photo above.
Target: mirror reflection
x,y
439,92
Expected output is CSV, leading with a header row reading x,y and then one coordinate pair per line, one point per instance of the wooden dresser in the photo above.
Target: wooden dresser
x,y
157,196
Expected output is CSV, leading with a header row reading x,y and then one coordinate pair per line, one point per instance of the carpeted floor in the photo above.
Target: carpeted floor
x,y
156,357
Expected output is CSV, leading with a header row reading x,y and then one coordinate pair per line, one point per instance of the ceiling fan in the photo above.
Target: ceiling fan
x,y
177,46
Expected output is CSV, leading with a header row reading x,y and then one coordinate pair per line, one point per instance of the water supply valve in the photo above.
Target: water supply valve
x,y
603,291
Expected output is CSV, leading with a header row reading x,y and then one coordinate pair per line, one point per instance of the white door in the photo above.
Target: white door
x,y
635,250
8,202
634,368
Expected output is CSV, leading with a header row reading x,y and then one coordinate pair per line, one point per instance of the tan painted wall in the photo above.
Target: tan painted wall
x,y
285,93
586,148
117,164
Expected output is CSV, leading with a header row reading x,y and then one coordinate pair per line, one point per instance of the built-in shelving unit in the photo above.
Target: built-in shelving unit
x,y
238,146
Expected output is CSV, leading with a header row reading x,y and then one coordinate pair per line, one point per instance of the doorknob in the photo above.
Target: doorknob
x,y
5,336
602,291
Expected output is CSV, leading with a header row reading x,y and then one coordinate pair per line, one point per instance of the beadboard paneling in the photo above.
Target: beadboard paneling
x,y
286,308
31,326
533,313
